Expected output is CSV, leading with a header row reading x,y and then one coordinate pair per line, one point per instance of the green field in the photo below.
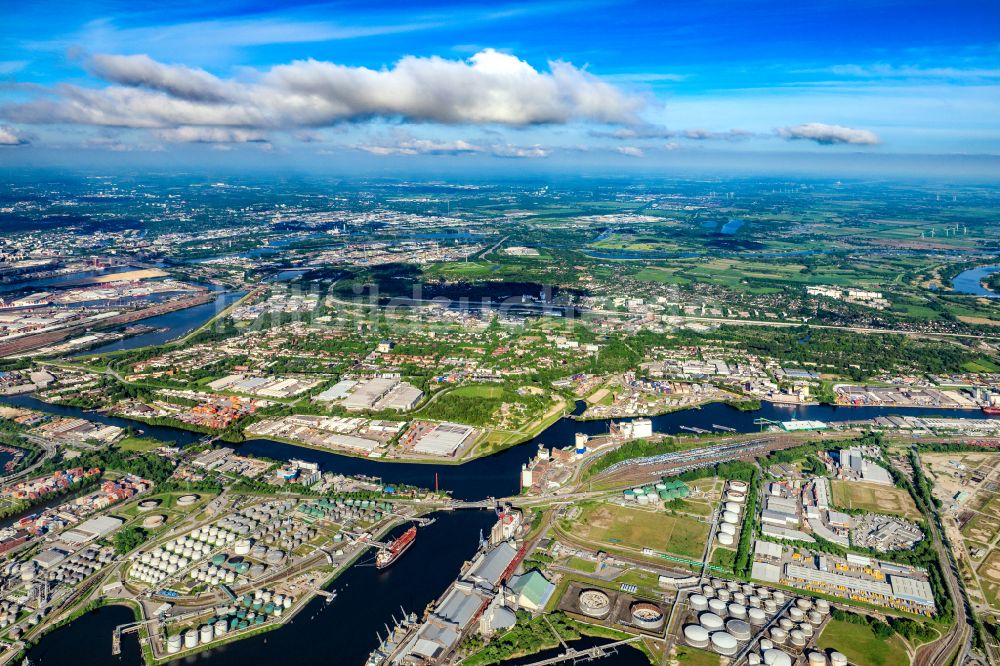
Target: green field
x,y
874,498
690,656
860,645
637,529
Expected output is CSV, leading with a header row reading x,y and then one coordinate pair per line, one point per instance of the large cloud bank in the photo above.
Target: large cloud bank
x,y
488,88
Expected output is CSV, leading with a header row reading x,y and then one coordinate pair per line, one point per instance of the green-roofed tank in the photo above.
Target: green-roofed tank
x,y
269,608
243,625
630,493
219,560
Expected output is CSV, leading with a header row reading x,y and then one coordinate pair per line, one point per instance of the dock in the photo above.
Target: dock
x,y
590,654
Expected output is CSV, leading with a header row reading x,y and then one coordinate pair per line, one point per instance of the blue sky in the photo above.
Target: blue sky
x,y
563,82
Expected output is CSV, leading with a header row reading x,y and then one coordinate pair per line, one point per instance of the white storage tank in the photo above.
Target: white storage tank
x,y
776,658
796,614
207,634
738,611
724,643
727,528
797,638
729,517
823,606
739,629
698,603
779,635
814,617
724,594
717,606
710,621
757,616
726,539
838,659
190,638
817,658
696,636
220,628
803,604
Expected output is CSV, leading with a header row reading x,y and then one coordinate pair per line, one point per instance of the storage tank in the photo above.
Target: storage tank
x,y
647,616
823,606
738,611
765,644
803,604
732,586
242,547
739,498
753,659
754,601
806,629
207,634
593,603
739,486
774,657
724,594
838,659
190,638
696,636
779,635
726,539
740,598
817,658
710,621
729,517
756,616
174,644
814,617
724,643
698,603
739,629
797,638
769,606
734,507
220,628
717,606
727,528
786,624
779,597
796,614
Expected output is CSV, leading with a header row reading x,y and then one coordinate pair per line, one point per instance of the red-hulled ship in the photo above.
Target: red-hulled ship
x,y
387,556
991,410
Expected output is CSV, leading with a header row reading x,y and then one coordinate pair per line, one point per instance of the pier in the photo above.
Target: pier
x,y
590,654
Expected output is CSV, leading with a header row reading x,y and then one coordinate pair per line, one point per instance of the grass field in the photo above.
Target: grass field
x,y
637,529
690,656
874,498
478,391
989,579
580,564
139,444
861,646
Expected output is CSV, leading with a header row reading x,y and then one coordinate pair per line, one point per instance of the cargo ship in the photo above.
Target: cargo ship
x,y
387,556
991,410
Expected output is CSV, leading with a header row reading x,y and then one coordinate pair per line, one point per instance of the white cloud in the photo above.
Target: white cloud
x,y
141,71
631,151
671,146
488,88
421,147
881,70
209,135
638,131
10,137
706,135
507,150
828,134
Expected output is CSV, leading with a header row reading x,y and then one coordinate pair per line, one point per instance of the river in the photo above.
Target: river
x,y
971,282
343,632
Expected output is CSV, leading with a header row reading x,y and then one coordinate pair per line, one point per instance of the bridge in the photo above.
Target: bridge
x,y
590,654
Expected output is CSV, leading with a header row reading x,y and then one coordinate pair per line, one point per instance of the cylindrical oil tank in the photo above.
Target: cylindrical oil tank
x,y
710,621
724,594
753,659
770,607
803,604
739,629
647,616
739,486
754,601
732,586
779,597
738,611
593,603
806,629
774,657
220,628
174,644
190,638
740,598
786,624
814,617
207,633
817,658
765,644
724,643
698,602
838,659
729,517
796,614
763,593
779,635
696,636
797,638
757,616
717,606
734,496
822,606
727,528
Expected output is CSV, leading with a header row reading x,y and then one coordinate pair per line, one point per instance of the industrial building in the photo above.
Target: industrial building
x,y
443,439
855,466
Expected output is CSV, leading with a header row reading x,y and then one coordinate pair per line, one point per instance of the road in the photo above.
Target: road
x,y
959,636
